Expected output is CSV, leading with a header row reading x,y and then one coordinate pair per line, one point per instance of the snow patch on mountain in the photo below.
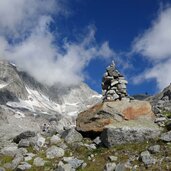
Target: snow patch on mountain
x,y
3,85
27,104
39,102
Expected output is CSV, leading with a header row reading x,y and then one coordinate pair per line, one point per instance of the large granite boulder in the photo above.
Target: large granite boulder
x,y
129,131
119,122
99,116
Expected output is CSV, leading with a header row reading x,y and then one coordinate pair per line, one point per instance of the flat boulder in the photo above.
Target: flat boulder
x,y
129,131
71,136
101,115
24,135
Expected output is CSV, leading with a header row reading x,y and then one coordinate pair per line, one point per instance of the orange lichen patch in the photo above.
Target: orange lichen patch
x,y
101,115
135,112
102,123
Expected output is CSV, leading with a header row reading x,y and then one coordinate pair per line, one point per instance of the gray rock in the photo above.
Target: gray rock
x,y
89,158
2,169
16,161
113,158
115,96
83,165
63,146
23,143
156,110
90,146
120,167
64,167
123,81
97,141
28,156
24,135
146,158
55,139
71,136
9,151
23,166
54,152
161,119
114,83
110,167
92,155
154,149
40,140
121,86
166,136
114,136
13,151
21,151
39,162
111,91
74,162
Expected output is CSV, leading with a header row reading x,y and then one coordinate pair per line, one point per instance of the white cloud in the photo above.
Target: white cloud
x,y
155,45
37,53
161,72
19,16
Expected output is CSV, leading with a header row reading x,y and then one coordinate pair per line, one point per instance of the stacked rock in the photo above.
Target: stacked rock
x,y
113,84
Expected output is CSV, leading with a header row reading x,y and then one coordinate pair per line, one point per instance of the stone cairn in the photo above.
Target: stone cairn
x,y
113,84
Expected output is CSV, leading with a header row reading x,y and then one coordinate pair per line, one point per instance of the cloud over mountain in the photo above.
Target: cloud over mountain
x,y
27,40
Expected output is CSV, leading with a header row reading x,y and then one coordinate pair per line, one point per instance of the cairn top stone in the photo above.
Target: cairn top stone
x,y
113,84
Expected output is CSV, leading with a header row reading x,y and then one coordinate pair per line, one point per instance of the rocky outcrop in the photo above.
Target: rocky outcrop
x,y
162,98
161,104
11,85
98,117
113,84
162,101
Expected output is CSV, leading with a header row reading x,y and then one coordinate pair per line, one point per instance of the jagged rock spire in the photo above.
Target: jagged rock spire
x,y
113,84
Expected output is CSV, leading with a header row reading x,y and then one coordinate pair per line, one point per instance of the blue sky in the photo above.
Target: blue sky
x,y
65,42
118,22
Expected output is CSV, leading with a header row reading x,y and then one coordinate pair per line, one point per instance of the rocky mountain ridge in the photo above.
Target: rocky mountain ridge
x,y
27,104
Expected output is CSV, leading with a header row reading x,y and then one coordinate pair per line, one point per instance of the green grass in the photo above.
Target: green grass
x,y
123,152
5,159
101,156
166,113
